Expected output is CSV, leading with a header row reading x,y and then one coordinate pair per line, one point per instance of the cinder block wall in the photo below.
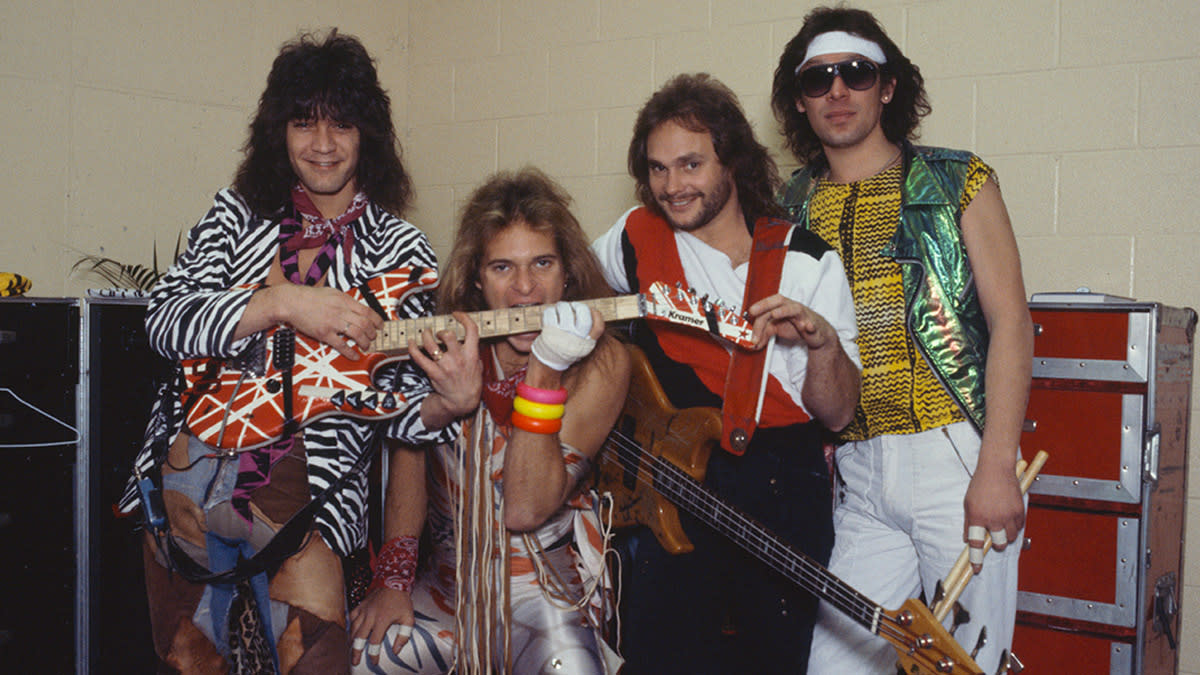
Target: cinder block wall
x,y
122,119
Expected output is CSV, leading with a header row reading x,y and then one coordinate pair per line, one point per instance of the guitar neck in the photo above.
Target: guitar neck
x,y
684,491
394,337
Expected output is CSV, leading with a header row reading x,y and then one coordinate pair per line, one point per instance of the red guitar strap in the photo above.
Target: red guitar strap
x,y
744,384
658,260
739,379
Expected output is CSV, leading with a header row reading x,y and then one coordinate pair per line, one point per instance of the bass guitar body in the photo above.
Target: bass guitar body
x,y
685,438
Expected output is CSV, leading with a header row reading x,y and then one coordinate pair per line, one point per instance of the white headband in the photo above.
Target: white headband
x,y
836,42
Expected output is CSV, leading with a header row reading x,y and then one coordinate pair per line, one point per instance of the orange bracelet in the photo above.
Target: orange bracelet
x,y
534,425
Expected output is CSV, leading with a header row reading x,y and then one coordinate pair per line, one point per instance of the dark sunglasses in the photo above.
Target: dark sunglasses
x,y
818,80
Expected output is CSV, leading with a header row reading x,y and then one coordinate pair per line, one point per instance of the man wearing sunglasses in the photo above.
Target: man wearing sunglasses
x,y
928,461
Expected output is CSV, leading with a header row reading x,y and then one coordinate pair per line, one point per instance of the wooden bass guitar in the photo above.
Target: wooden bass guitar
x,y
288,380
655,460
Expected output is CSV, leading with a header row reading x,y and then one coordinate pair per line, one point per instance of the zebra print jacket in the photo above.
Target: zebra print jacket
x,y
195,308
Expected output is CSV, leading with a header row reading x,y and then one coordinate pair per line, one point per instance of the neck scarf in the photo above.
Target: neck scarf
x,y
498,394
306,228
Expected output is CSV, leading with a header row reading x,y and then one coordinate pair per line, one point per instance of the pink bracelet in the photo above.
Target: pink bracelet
x,y
550,396
396,564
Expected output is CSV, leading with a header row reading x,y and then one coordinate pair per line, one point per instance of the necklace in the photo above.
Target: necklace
x,y
890,163
828,173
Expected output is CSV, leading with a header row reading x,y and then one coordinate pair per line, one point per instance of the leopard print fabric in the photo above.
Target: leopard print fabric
x,y
249,649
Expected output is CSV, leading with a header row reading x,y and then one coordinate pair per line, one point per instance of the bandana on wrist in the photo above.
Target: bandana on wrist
x,y
396,565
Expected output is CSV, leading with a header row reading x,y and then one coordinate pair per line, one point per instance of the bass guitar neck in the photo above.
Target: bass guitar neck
x,y
654,462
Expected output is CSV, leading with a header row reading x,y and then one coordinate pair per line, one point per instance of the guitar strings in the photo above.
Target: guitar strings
x,y
662,471
816,578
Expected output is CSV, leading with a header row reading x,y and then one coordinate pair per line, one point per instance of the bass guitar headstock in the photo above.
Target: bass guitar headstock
x,y
923,647
677,305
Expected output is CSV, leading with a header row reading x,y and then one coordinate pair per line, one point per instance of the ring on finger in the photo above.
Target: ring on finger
x,y
436,355
373,649
359,643
404,630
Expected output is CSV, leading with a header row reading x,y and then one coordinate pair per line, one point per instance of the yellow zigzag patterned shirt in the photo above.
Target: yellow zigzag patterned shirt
x,y
900,393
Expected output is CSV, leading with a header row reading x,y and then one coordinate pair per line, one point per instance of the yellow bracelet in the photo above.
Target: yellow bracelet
x,y
541,411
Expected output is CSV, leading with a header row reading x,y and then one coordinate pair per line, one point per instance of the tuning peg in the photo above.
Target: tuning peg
x,y
980,643
939,592
961,616
1012,663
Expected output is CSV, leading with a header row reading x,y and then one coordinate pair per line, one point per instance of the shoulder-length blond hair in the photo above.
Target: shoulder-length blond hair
x,y
528,196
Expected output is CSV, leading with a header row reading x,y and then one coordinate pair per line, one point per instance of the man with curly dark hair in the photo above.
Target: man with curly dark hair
x,y
709,222
246,552
927,462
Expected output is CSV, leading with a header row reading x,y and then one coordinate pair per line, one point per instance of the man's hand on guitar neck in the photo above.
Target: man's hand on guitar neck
x,y
454,369
322,313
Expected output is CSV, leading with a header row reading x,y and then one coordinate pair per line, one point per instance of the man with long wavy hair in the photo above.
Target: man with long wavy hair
x,y
516,581
710,223
314,212
928,461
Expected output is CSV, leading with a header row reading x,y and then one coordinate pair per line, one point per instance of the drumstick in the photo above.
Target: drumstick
x,y
961,564
961,573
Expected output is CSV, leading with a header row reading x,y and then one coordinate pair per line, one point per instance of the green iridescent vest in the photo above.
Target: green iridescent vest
x,y
941,301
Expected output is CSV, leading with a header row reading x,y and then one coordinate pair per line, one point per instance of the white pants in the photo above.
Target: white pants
x,y
898,528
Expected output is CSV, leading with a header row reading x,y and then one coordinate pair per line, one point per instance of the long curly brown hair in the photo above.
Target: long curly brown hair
x,y
699,102
335,78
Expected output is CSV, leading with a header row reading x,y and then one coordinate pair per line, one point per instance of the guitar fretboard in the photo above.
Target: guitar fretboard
x,y
684,491
394,337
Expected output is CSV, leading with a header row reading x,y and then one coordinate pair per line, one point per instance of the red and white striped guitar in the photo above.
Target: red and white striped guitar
x,y
243,404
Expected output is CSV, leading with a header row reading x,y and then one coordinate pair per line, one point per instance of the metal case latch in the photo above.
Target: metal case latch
x,y
1150,447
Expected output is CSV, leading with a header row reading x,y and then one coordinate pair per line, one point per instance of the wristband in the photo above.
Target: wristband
x,y
396,565
534,425
541,411
538,395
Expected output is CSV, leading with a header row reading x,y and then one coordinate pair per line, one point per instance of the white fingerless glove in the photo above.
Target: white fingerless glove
x,y
564,338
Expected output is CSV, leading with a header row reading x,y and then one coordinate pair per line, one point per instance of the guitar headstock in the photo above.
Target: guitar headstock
x,y
923,647
677,305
